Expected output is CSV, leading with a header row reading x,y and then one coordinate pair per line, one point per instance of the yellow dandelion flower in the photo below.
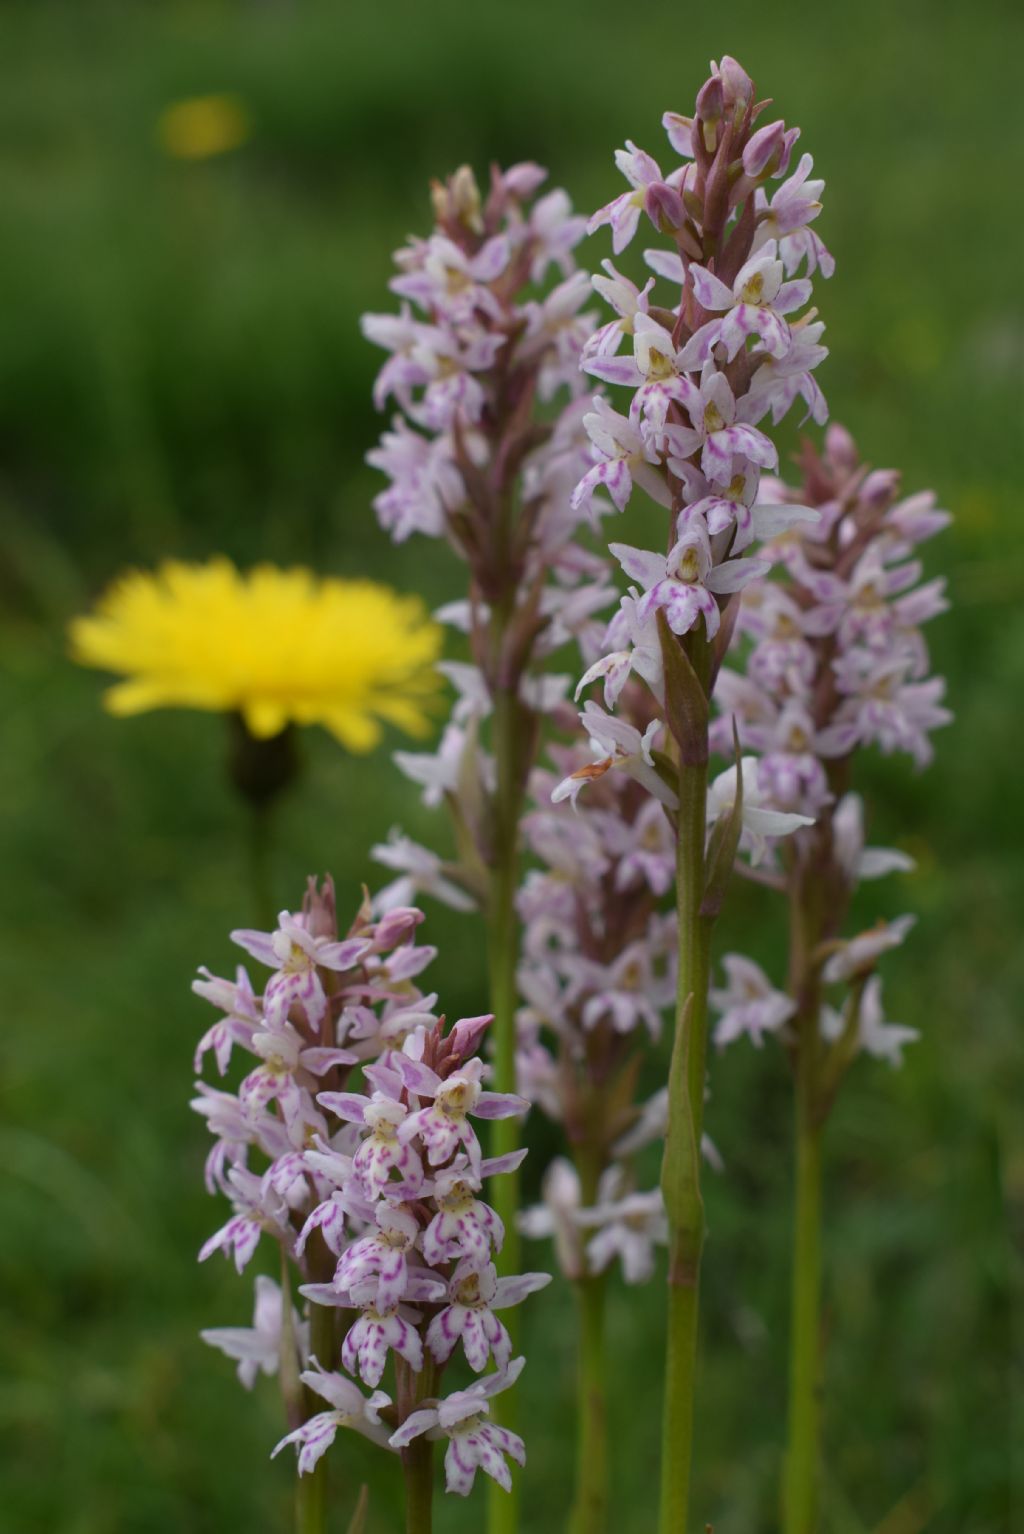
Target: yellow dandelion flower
x,y
203,126
278,647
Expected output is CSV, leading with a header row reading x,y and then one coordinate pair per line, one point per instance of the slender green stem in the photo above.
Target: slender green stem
x,y
802,1461
301,1404
681,1173
803,1454
260,771
503,950
292,1392
590,1498
323,1338
311,1500
590,1512
311,1491
418,1456
418,1463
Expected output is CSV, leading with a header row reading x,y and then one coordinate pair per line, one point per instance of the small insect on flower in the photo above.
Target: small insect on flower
x,y
277,647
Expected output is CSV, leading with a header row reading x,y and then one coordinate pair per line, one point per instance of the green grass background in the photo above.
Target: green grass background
x,y
181,372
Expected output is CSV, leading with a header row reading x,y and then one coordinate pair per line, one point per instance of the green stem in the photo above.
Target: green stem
x,y
312,1489
292,1393
802,1461
418,1463
803,1453
418,1456
503,950
590,1512
260,771
677,1414
681,1173
323,1339
311,1500
590,1499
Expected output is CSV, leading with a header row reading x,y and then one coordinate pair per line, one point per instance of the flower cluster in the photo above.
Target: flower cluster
x,y
833,660
617,745
470,353
597,973
837,658
734,344
374,1195
488,442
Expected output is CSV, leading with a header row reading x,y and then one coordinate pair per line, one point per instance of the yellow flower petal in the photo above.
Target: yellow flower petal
x,y
357,732
279,646
264,719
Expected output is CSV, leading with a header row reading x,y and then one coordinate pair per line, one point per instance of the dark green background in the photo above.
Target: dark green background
x,y
181,371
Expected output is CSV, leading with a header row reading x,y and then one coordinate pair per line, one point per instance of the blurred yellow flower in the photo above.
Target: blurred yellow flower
x,y
203,126
276,646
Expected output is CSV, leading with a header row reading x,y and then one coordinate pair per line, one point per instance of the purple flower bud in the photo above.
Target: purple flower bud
x,y
456,202
396,926
522,180
880,487
464,1039
318,908
840,448
737,86
663,206
710,100
763,147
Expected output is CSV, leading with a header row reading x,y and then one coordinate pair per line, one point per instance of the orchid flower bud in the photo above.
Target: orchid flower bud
x,y
879,487
319,910
710,101
457,201
523,180
840,448
763,148
737,86
663,206
466,1037
396,926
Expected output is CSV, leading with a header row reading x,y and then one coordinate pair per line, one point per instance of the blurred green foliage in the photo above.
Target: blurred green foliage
x,y
181,372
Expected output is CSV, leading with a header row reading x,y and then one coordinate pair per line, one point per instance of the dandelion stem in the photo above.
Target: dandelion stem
x,y
503,948
681,1167
260,842
260,771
